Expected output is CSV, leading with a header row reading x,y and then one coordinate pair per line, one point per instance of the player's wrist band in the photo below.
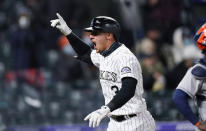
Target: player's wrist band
x,y
198,123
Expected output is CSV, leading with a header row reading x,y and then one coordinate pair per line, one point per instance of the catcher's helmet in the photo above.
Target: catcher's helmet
x,y
105,24
200,37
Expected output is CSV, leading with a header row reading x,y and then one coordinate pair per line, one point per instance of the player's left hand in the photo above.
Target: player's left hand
x,y
61,25
96,116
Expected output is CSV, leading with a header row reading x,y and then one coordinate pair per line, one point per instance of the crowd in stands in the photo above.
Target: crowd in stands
x,y
41,82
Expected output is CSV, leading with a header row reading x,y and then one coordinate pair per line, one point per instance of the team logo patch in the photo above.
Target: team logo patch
x,y
125,70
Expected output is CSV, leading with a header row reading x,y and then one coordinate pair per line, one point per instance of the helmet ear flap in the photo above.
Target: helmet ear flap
x,y
113,28
116,33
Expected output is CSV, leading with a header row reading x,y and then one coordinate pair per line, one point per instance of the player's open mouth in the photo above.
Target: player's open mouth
x,y
94,45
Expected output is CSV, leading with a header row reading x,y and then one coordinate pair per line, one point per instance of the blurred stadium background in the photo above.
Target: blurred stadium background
x,y
42,88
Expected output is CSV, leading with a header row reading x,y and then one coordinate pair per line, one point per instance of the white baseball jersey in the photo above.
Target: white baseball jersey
x,y
121,63
195,87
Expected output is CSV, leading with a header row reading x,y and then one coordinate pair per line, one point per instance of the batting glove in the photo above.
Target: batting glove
x,y
61,25
96,116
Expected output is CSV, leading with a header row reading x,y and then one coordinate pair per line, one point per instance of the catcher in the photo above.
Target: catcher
x,y
194,85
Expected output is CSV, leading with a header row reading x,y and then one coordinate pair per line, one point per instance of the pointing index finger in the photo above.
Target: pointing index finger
x,y
59,16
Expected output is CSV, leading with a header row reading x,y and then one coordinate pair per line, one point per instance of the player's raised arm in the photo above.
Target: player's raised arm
x,y
80,47
119,72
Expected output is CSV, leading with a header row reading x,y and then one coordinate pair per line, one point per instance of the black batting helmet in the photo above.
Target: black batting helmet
x,y
105,24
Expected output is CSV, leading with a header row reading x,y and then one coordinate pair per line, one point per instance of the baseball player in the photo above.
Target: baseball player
x,y
120,75
194,85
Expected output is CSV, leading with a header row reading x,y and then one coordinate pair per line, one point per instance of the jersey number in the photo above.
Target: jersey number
x,y
115,89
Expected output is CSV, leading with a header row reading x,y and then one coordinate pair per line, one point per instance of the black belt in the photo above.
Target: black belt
x,y
122,117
